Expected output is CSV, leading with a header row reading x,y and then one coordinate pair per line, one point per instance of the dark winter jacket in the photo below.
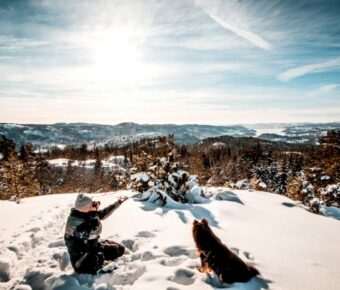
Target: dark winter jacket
x,y
83,230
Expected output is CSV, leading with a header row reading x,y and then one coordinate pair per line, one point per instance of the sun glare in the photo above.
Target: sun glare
x,y
117,59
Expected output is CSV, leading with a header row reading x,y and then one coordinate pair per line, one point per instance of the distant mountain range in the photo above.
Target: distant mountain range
x,y
60,134
307,133
45,136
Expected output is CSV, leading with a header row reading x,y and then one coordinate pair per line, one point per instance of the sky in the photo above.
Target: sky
x,y
169,61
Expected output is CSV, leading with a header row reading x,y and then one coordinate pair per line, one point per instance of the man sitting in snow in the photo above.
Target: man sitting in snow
x,y
83,227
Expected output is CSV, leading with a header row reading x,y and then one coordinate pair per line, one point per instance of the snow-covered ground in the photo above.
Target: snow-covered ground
x,y
261,131
112,163
292,248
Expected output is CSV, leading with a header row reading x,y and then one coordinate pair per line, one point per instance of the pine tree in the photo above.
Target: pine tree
x,y
98,164
26,152
205,161
7,147
43,174
69,174
282,178
23,154
332,139
83,151
20,179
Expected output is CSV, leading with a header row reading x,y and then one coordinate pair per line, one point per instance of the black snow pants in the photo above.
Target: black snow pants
x,y
92,261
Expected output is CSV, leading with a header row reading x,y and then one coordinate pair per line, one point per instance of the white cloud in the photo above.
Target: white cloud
x,y
326,89
13,43
333,64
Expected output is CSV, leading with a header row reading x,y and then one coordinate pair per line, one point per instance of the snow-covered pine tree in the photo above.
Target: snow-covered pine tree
x,y
282,178
331,195
310,200
165,183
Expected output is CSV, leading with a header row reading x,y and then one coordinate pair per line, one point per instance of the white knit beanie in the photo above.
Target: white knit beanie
x,y
82,201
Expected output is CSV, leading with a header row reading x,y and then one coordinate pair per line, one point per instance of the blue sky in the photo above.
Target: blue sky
x,y
184,61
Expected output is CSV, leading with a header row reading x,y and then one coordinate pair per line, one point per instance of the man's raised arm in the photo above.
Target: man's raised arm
x,y
106,212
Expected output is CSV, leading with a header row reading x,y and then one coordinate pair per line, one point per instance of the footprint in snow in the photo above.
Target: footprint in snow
x,y
173,261
145,234
34,229
248,255
148,256
183,277
124,274
57,243
176,251
62,258
129,244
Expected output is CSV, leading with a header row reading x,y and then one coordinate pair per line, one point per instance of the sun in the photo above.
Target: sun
x,y
118,59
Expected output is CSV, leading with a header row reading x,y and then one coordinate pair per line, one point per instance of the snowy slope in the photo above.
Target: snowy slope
x,y
292,248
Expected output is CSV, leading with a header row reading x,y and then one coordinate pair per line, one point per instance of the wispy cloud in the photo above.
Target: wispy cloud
x,y
333,64
248,35
229,24
326,89
12,43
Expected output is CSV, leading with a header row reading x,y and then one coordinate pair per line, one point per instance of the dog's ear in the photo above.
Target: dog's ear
x,y
196,222
204,222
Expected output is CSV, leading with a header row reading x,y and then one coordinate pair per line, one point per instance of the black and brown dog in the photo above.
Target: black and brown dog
x,y
216,257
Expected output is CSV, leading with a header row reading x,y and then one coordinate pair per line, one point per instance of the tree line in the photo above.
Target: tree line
x,y
288,169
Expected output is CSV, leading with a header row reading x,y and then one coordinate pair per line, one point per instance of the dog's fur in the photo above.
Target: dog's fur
x,y
216,257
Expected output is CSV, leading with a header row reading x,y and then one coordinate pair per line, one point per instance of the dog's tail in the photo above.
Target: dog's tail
x,y
253,271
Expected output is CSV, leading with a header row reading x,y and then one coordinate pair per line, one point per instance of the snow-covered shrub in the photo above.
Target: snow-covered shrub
x,y
309,199
331,195
165,184
314,205
195,194
308,188
140,181
307,193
